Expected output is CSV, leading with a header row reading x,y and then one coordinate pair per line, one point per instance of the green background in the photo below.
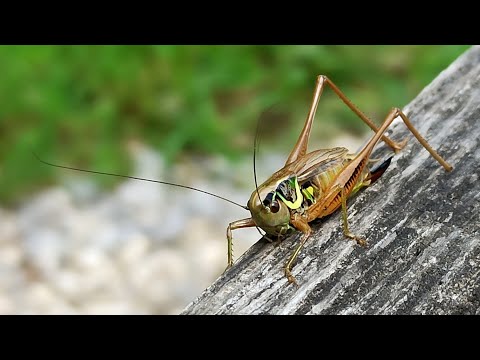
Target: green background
x,y
81,105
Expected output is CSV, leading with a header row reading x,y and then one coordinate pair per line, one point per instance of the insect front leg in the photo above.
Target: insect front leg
x,y
232,226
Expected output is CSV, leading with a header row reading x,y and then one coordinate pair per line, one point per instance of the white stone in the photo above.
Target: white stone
x,y
6,305
41,299
134,250
45,247
111,307
10,255
158,276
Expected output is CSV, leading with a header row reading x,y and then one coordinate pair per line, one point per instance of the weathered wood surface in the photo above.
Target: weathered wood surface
x,y
422,225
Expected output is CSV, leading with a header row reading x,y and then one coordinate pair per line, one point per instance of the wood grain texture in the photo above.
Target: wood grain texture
x,y
422,226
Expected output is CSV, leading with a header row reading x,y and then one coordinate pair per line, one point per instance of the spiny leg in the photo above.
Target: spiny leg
x,y
396,146
422,141
392,115
361,241
348,171
301,224
232,226
357,163
300,147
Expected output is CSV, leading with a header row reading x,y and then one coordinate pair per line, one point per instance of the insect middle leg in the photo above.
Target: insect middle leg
x,y
346,231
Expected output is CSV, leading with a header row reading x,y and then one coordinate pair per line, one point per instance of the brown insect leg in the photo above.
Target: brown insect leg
x,y
396,146
300,147
232,226
361,241
422,141
356,164
301,224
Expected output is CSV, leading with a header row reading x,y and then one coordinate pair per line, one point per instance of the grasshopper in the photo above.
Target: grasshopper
x,y
311,185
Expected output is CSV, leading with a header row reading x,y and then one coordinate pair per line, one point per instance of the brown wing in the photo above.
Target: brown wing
x,y
316,162
304,168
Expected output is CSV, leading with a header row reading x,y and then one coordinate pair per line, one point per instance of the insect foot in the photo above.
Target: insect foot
x,y
397,146
291,279
229,266
360,241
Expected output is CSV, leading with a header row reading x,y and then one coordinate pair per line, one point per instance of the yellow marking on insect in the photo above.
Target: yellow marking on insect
x,y
298,202
308,193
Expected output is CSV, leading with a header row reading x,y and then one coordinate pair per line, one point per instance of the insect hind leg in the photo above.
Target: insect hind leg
x,y
395,146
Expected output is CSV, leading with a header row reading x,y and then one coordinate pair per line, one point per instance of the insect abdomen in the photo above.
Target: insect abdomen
x,y
355,178
325,179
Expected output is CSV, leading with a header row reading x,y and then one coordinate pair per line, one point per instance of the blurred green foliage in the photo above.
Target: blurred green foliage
x,y
80,105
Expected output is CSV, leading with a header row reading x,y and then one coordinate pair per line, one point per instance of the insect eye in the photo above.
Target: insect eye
x,y
275,206
271,203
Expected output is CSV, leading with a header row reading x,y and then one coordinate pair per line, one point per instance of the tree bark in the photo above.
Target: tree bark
x,y
421,222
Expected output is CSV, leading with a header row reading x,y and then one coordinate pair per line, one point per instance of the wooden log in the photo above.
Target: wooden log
x,y
422,225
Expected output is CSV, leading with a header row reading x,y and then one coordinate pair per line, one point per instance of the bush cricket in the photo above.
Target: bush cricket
x,y
311,185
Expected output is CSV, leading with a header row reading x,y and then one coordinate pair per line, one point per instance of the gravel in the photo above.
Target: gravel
x,y
141,248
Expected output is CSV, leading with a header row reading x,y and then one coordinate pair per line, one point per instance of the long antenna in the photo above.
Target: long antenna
x,y
255,148
138,178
